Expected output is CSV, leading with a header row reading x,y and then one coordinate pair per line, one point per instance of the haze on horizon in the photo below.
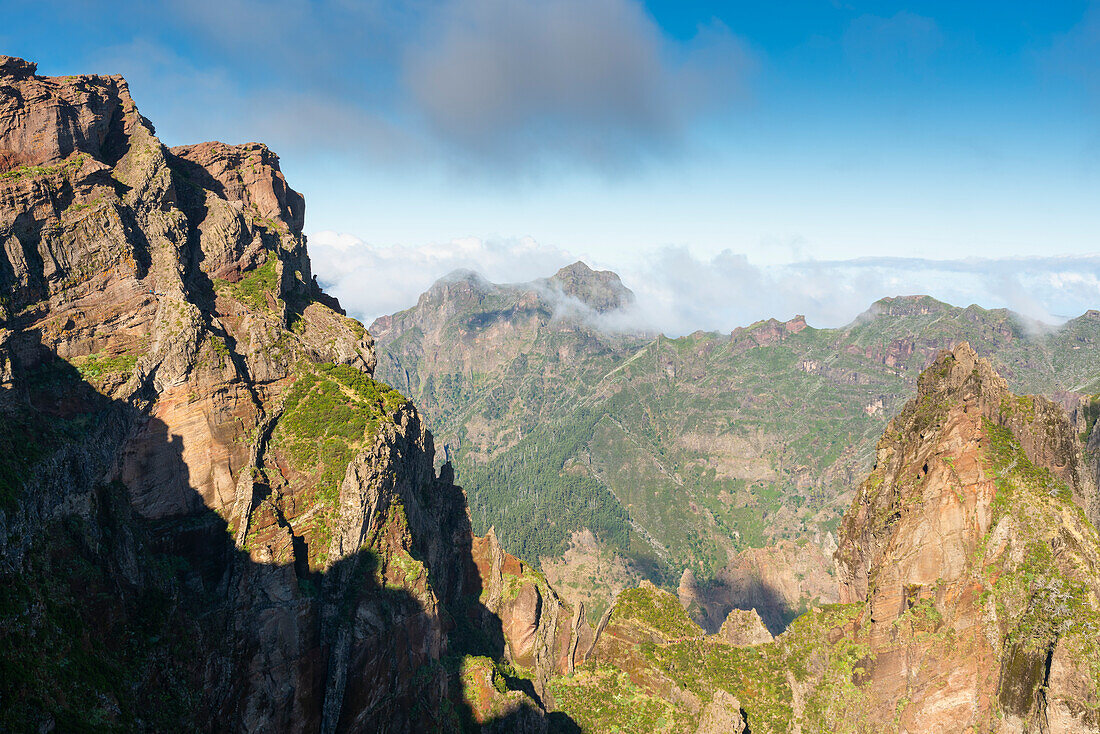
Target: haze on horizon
x,y
731,163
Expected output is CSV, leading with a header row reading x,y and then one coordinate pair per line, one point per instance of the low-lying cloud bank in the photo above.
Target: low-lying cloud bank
x,y
678,292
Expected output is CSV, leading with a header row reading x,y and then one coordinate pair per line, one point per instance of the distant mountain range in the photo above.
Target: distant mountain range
x,y
683,454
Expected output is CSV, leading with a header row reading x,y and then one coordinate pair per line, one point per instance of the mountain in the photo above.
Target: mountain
x,y
970,595
212,517
722,461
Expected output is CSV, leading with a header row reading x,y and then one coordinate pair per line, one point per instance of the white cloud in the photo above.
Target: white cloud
x,y
678,292
373,280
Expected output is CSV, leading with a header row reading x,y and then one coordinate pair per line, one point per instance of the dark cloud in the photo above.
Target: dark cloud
x,y
592,80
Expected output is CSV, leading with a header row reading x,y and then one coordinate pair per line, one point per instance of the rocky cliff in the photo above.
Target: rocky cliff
x,y
640,456
211,516
970,574
972,547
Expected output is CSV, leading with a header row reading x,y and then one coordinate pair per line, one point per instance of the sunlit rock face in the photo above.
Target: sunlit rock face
x,y
205,494
971,548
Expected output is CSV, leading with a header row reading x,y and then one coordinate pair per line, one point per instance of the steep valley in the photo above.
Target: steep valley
x,y
717,463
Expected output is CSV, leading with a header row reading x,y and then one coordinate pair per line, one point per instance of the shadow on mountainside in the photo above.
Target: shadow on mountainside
x,y
713,599
754,593
113,621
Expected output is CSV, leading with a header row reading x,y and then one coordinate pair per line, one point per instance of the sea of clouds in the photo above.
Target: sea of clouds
x,y
679,292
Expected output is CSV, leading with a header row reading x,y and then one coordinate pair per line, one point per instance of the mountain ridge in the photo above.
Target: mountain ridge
x,y
486,387
212,517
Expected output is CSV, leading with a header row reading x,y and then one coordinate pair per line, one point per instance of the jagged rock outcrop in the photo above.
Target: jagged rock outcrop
x,y
970,597
765,333
744,628
204,493
539,632
970,545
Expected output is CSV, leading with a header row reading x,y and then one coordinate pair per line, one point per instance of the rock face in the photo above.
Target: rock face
x,y
722,716
211,516
970,595
539,632
744,628
969,544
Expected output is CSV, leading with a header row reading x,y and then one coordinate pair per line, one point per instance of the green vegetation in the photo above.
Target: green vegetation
x,y
535,503
1091,411
331,412
603,699
96,366
220,348
256,285
76,208
601,696
657,610
1013,471
64,168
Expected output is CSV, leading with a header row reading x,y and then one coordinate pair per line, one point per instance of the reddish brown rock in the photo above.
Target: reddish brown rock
x,y
160,306
947,571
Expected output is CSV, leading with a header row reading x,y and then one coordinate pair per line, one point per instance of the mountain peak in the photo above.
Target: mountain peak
x,y
13,66
916,305
961,373
578,269
602,290
463,275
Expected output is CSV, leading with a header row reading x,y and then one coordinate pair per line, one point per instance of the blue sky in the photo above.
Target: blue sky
x,y
515,135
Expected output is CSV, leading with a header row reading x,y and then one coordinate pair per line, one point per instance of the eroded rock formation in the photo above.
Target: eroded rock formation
x,y
211,516
971,547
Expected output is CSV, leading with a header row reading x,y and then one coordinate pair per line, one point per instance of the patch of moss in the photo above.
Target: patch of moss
x,y
329,414
65,168
1012,470
411,569
221,349
657,610
255,285
1021,405
96,366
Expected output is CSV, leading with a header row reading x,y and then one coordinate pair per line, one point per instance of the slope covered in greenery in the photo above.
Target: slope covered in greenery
x,y
681,451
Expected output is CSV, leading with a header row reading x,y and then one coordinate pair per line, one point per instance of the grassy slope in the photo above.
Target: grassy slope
x,y
801,415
